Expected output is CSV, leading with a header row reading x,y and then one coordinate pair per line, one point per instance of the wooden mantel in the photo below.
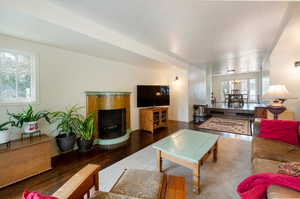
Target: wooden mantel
x,y
107,93
107,100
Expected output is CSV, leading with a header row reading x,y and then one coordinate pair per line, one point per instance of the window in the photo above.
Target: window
x,y
244,86
265,84
252,90
17,77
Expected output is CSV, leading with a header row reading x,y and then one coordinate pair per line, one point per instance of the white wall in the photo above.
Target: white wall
x,y
282,60
65,75
199,87
179,96
265,77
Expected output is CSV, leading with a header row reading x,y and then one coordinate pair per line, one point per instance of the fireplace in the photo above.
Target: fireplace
x,y
112,123
111,117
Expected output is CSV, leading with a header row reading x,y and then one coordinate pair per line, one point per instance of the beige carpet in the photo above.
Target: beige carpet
x,y
227,125
218,180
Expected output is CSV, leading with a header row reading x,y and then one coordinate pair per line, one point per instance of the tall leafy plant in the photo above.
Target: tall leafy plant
x,y
18,119
87,128
68,121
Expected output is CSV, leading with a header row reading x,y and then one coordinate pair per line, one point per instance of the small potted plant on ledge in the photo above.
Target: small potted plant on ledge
x,y
4,133
68,123
28,120
85,132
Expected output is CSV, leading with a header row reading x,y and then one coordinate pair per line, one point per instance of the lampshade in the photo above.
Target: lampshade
x,y
277,92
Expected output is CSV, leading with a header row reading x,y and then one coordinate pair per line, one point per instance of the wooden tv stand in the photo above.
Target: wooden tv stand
x,y
153,118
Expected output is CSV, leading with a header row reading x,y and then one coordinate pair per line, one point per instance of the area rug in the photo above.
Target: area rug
x,y
227,125
218,180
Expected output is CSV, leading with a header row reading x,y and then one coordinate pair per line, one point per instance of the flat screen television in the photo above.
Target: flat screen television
x,y
150,95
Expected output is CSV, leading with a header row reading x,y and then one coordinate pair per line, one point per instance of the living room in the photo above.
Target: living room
x,y
189,96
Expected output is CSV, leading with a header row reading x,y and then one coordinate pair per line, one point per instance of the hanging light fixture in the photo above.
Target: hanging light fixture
x,y
297,64
230,71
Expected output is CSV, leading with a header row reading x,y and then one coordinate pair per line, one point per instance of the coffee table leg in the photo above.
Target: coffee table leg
x,y
215,153
159,160
196,178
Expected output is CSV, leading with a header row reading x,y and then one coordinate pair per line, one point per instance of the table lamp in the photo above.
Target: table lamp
x,y
279,94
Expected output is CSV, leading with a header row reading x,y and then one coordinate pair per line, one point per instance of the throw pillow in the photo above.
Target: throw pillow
x,y
281,130
35,195
289,168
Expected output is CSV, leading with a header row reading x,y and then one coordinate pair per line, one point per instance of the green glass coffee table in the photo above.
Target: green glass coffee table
x,y
187,148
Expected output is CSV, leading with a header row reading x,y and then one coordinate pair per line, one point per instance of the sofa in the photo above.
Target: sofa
x,y
266,156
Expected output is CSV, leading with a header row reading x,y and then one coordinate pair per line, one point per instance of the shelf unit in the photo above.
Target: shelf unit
x,y
153,118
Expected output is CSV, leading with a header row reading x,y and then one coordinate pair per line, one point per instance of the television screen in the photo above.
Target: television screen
x,y
152,96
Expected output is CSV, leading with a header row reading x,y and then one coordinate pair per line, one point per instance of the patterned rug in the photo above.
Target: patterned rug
x,y
227,125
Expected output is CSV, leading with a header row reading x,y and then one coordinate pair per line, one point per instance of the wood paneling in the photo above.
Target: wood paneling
x,y
175,188
94,103
24,159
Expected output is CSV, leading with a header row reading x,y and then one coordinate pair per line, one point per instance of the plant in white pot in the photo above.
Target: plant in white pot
x,y
85,132
4,133
28,120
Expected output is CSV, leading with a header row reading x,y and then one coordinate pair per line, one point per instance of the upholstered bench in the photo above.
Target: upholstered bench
x,y
132,184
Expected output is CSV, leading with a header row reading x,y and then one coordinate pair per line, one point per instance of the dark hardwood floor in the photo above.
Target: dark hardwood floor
x,y
66,165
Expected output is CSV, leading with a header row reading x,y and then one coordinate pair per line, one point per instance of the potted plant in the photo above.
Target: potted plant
x,y
85,132
68,123
4,134
28,120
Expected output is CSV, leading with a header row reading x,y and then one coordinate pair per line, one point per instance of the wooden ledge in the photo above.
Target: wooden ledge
x,y
80,184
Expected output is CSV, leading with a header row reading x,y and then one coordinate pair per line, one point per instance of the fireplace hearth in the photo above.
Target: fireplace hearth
x,y
112,123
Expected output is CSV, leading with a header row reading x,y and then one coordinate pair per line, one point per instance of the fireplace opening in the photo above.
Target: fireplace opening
x,y
112,123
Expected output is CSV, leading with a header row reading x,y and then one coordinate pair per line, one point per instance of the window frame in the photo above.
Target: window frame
x,y
248,87
34,76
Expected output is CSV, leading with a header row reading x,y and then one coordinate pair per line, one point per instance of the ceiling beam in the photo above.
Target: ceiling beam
x,y
47,11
